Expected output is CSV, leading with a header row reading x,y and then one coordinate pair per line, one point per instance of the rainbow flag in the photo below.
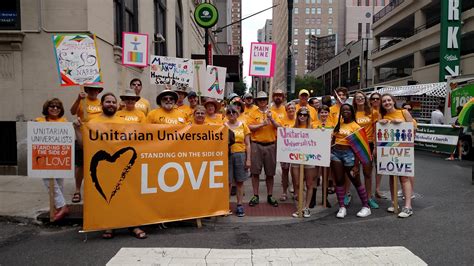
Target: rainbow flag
x,y
360,144
136,57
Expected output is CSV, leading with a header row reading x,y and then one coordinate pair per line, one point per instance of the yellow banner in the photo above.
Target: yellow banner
x,y
144,174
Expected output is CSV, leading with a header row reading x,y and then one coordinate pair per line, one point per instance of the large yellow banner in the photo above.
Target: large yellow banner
x,y
145,174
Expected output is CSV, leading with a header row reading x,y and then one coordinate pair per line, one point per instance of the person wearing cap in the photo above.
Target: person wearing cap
x,y
249,105
263,123
166,113
142,104
213,117
278,107
130,113
303,95
92,109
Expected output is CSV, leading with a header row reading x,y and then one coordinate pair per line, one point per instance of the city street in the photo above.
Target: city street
x,y
439,233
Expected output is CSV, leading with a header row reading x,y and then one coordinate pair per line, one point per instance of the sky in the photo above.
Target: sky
x,y
250,27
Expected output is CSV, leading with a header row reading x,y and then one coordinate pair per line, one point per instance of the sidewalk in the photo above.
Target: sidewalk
x,y
24,199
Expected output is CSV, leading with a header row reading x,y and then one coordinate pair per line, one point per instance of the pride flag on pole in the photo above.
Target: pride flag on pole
x,y
360,144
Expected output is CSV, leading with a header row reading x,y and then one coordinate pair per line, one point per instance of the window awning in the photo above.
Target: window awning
x,y
430,89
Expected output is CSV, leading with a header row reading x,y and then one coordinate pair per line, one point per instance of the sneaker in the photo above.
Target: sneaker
x,y
406,212
341,213
240,211
391,209
296,214
400,193
272,201
373,204
347,199
306,213
364,212
253,201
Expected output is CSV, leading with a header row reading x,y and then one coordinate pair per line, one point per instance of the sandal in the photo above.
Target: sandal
x,y
76,198
283,197
138,233
108,234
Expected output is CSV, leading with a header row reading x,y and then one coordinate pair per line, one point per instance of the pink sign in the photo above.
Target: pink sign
x,y
262,59
134,49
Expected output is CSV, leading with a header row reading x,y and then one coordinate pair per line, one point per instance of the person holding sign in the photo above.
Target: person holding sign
x,y
374,101
287,121
263,124
87,100
53,111
342,161
131,114
391,114
303,120
166,113
366,119
239,156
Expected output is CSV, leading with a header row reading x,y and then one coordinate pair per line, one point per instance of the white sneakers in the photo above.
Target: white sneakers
x,y
364,212
341,213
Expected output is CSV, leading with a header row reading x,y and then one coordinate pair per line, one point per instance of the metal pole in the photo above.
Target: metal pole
x,y
290,59
206,44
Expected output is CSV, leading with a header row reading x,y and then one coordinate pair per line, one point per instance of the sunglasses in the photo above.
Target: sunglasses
x,y
167,98
302,114
54,106
199,113
231,112
136,84
375,99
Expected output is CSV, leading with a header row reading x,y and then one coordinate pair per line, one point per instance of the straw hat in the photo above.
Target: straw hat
x,y
129,94
166,93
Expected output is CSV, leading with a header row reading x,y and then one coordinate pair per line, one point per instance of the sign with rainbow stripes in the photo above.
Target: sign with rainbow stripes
x,y
395,149
134,49
262,59
77,59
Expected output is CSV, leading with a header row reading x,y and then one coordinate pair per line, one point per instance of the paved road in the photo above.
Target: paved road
x,y
440,232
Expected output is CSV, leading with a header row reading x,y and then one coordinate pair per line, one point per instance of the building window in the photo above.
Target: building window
x,y
382,2
306,31
296,62
318,11
367,30
126,18
367,2
306,42
330,1
160,27
313,21
329,31
330,21
296,10
10,18
313,1
296,20
359,31
296,31
318,21
313,31
330,10
306,62
319,1
306,21
307,1
295,1
318,31
179,29
307,10
313,10
295,42
359,2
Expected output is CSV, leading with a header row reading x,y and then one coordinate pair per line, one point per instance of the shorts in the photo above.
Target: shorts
x,y
263,156
294,165
237,170
344,156
78,155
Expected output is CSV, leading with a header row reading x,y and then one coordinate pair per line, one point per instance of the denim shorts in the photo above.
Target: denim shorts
x,y
344,156
237,169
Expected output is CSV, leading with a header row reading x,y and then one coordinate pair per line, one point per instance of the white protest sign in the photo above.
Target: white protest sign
x,y
262,59
50,150
213,82
395,149
134,49
171,70
304,146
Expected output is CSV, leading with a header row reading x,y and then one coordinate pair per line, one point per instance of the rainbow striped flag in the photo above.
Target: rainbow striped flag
x,y
136,57
360,144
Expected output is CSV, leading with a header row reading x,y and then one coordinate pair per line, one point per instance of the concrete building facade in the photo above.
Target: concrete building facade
x,y
280,37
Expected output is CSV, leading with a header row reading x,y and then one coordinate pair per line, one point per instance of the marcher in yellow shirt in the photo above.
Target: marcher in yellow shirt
x,y
303,97
167,114
92,105
142,104
278,107
249,104
213,117
342,95
130,114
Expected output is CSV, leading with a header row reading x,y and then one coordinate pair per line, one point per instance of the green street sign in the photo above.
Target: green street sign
x,y
206,15
450,41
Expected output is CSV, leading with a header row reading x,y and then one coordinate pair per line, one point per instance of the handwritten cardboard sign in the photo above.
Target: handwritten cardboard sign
x,y
262,59
171,70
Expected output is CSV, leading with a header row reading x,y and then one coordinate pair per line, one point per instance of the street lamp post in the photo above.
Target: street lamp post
x,y
290,57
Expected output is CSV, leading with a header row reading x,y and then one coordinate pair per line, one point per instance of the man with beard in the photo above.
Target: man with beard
x,y
278,107
167,114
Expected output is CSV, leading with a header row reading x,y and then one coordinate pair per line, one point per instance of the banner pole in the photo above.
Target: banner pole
x,y
84,105
270,90
51,199
395,194
300,192
325,185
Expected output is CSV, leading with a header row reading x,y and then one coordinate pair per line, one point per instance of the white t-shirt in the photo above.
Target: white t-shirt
x,y
437,117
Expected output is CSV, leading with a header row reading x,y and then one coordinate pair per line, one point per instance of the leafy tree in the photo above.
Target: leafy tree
x,y
310,83
240,88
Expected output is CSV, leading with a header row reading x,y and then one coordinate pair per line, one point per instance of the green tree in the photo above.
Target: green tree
x,y
240,88
310,83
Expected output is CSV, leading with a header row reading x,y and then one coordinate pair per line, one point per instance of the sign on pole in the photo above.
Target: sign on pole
x,y
440,138
171,70
134,49
77,59
395,149
213,82
304,146
50,150
450,39
262,59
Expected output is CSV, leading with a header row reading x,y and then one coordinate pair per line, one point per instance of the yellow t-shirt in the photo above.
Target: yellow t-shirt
x,y
143,105
93,107
280,111
344,131
106,119
398,114
160,116
287,122
216,120
367,122
240,132
43,119
264,134
186,109
134,116
321,124
247,111
312,112
334,113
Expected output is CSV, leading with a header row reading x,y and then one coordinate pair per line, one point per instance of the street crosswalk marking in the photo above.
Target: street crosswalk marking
x,y
285,256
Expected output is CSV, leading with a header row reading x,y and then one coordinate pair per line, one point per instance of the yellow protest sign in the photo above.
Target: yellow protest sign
x,y
143,174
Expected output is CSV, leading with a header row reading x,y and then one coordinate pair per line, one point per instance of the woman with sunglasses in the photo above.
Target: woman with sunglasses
x,y
287,121
53,111
324,122
374,102
303,120
342,161
239,156
366,119
391,114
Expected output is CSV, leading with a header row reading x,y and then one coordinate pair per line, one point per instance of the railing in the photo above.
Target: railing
x,y
387,9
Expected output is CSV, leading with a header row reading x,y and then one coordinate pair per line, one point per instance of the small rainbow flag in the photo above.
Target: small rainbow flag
x,y
360,144
136,57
